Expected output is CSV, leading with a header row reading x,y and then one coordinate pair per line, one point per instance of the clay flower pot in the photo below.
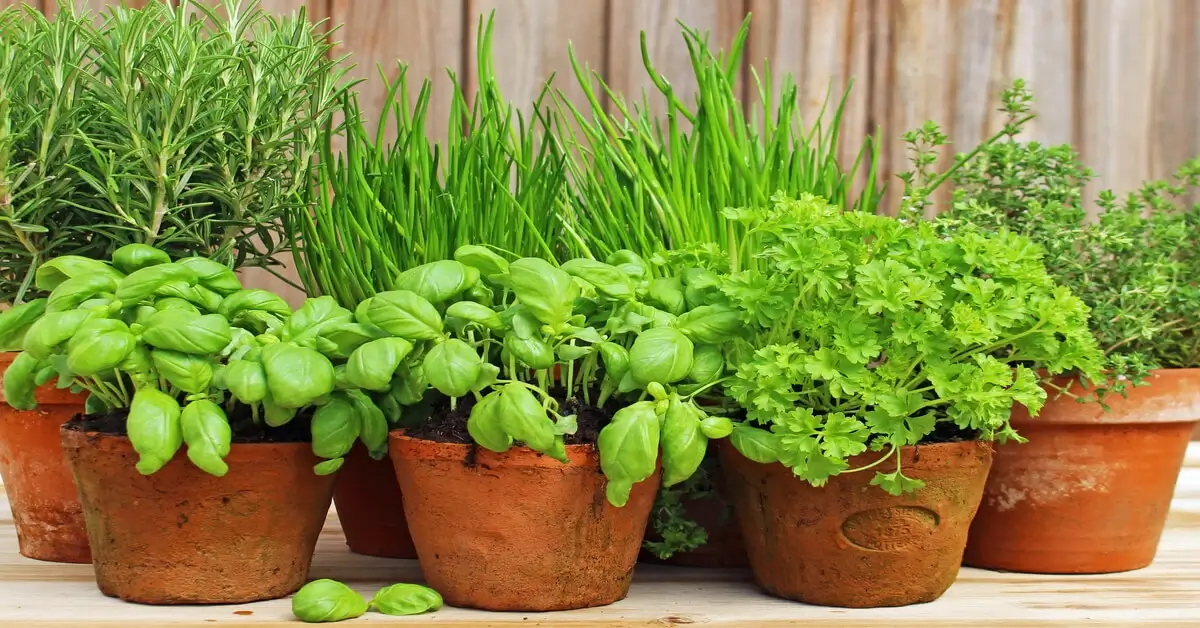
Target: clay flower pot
x,y
182,536
45,504
724,549
369,507
851,544
1090,491
518,531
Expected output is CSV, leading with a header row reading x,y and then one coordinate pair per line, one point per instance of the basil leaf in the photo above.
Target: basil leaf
x,y
755,444
616,359
16,320
296,376
524,418
606,278
334,427
99,352
472,312
716,426
254,299
630,263
372,365
406,599
708,364
212,275
372,425
684,443
134,257
532,352
710,324
485,426
140,284
629,449
19,379
207,434
189,373
405,314
546,291
326,601
438,281
662,355
187,332
667,293
452,367
62,268
341,340
153,428
74,291
483,259
312,318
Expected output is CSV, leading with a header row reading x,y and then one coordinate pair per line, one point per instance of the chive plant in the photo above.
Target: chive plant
x,y
383,207
652,183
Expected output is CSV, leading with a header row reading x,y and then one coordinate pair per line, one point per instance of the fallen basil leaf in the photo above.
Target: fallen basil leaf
x,y
327,601
406,599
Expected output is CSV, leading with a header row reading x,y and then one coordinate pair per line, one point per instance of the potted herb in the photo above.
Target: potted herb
x,y
534,396
382,208
880,360
177,354
1057,504
232,144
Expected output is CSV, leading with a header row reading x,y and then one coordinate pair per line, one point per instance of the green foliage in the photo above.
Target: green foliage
x,y
1136,266
383,208
653,183
406,599
180,368
330,601
870,333
185,127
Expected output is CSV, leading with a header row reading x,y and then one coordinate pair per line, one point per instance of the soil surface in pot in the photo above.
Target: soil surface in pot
x,y
241,422
447,425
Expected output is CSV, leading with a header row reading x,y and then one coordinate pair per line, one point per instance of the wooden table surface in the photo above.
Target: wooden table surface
x,y
34,594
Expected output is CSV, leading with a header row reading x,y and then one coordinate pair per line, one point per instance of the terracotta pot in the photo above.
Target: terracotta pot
x,y
370,508
518,531
724,549
45,504
182,536
851,544
1090,491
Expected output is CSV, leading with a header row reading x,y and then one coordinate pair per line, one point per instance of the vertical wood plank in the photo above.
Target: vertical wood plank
x,y
427,35
1044,53
664,41
530,43
1125,74
825,46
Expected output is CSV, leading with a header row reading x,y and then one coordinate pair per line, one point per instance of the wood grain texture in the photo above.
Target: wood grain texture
x,y
1127,126
47,595
426,35
664,41
1043,50
530,43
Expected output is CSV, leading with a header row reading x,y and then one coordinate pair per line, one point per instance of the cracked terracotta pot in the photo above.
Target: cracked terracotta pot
x,y
851,544
41,492
518,531
182,536
1089,493
370,508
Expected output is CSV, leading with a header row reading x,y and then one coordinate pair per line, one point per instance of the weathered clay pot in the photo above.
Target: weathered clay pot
x,y
182,536
1090,491
724,549
41,492
518,531
851,544
369,507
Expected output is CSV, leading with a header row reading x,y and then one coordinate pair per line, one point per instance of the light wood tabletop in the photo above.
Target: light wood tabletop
x,y
34,594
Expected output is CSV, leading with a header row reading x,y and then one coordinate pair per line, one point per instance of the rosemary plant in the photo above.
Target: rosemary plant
x,y
382,208
182,126
653,183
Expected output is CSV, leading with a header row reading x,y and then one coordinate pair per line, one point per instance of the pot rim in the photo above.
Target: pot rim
x,y
1175,399
517,455
910,455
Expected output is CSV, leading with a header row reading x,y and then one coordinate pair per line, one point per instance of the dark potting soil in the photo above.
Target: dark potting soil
x,y
241,422
446,425
946,432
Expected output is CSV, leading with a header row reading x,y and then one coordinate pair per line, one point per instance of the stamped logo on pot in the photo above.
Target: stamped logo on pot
x,y
890,529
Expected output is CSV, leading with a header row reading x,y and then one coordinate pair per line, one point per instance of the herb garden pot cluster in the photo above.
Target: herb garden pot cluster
x,y
41,493
1051,504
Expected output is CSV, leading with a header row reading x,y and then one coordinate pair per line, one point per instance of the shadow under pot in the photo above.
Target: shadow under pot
x,y
853,545
518,531
41,492
1090,492
182,536
370,508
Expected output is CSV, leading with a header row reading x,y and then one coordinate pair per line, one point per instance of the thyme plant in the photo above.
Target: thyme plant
x,y
182,126
1135,266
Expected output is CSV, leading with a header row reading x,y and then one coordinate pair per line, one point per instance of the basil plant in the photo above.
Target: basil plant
x,y
178,345
519,338
865,333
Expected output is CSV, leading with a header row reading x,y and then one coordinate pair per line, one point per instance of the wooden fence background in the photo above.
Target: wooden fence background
x,y
1119,79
